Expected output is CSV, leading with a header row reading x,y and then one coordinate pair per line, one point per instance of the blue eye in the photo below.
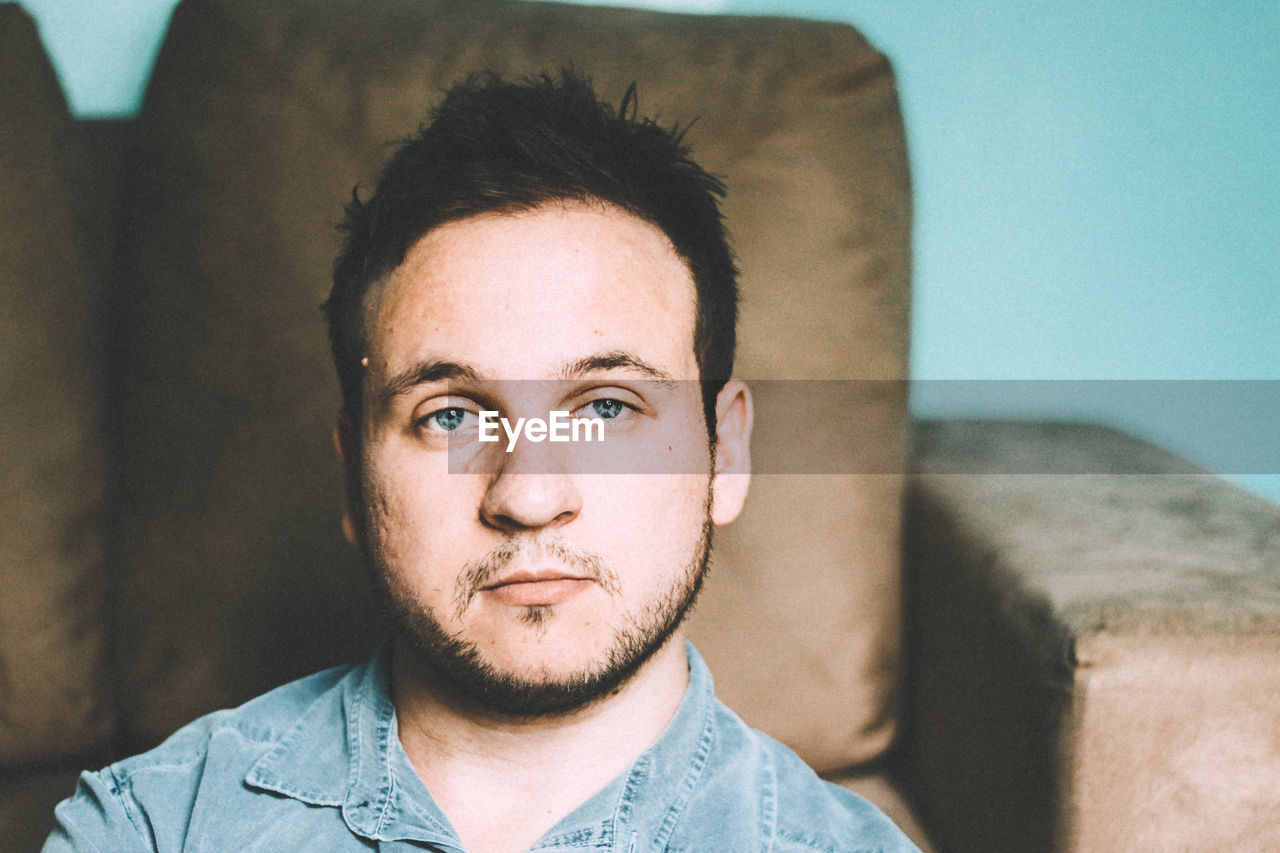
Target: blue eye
x,y
607,409
446,420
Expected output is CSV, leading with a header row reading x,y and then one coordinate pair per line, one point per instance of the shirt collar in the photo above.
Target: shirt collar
x,y
640,807
344,751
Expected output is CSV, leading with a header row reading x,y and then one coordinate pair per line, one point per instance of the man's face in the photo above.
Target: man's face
x,y
524,580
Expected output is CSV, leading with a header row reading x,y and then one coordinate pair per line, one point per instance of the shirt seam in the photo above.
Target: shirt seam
x,y
124,772
355,741
117,790
819,845
388,787
768,796
617,828
593,834
701,756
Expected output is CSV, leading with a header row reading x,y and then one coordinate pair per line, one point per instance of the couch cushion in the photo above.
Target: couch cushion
x,y
1094,643
260,119
1177,741
52,701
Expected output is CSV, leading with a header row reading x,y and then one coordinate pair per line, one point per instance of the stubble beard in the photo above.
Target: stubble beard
x,y
461,668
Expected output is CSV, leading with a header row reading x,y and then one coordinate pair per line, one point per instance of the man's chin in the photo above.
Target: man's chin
x,y
540,649
537,679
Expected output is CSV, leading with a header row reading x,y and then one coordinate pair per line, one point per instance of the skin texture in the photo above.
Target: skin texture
x,y
562,588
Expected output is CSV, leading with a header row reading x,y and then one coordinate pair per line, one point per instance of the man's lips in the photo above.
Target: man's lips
x,y
530,589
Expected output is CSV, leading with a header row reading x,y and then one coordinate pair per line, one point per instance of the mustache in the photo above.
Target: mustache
x,y
479,573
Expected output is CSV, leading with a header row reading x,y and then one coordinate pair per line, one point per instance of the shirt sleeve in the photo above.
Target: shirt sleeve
x,y
97,818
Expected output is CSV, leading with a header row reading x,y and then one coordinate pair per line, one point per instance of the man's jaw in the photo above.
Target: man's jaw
x,y
457,668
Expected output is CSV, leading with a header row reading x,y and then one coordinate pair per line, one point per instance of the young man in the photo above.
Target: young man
x,y
531,252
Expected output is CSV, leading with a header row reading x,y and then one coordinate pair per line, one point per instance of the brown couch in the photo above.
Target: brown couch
x,y
1046,636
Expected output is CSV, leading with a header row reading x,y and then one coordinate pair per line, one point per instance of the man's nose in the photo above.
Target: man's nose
x,y
530,490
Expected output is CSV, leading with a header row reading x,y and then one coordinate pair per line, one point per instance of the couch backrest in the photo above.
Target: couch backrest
x,y
54,702
260,118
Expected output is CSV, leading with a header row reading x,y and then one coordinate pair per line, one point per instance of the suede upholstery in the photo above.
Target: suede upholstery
x,y
1093,656
53,698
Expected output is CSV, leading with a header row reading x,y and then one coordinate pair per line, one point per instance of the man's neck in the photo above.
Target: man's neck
x,y
504,782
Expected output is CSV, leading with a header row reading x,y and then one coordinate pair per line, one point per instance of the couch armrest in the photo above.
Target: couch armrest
x,y
1093,645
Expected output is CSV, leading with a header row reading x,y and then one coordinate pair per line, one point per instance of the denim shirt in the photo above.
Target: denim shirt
x,y
318,765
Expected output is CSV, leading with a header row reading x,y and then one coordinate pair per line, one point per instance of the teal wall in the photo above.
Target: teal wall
x,y
1097,190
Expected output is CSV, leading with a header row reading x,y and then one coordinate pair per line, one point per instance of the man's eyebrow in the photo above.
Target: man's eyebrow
x,y
613,361
427,370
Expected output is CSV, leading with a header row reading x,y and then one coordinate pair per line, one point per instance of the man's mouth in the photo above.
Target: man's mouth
x,y
536,588
524,572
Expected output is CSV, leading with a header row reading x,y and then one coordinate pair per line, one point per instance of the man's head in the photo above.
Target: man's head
x,y
525,584
495,146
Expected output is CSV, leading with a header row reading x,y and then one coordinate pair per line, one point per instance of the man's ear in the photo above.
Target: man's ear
x,y
734,416
348,447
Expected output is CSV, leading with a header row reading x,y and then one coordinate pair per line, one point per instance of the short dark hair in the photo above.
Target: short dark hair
x,y
498,146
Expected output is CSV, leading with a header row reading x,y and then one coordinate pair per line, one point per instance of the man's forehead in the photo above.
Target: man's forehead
x,y
548,287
